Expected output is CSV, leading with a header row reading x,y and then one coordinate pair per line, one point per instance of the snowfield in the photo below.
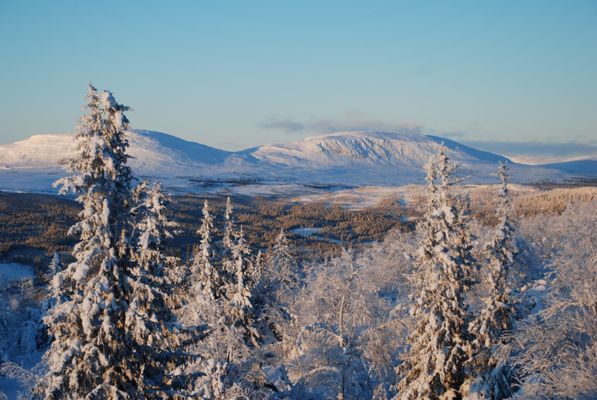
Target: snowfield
x,y
14,272
315,164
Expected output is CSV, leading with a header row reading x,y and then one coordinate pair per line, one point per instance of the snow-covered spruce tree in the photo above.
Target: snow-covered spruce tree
x,y
282,262
205,276
55,293
152,226
276,286
228,240
493,376
94,355
149,317
55,265
208,315
225,352
258,265
229,233
239,309
434,367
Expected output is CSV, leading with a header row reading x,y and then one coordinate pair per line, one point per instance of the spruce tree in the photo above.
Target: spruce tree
x,y
282,263
434,367
493,376
55,265
239,310
152,227
206,277
229,233
258,264
56,290
228,239
277,285
149,318
94,353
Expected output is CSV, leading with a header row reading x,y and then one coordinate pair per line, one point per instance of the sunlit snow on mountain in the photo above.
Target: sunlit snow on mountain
x,y
344,159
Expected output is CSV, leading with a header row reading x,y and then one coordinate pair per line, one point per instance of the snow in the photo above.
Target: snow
x,y
366,148
585,167
313,233
306,232
11,273
339,159
14,272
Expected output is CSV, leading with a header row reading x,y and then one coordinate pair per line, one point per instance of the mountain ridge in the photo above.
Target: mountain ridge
x,y
343,158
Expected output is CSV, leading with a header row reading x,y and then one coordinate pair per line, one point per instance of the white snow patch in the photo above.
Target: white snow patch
x,y
306,232
14,272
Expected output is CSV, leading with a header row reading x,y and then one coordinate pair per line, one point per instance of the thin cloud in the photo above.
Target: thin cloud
x,y
287,125
535,147
452,135
535,152
353,121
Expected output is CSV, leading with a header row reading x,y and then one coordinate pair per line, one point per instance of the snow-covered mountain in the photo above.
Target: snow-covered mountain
x,y
366,157
343,159
366,149
150,151
583,167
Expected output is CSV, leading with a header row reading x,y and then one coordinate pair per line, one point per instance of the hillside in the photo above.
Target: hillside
x,y
584,167
344,159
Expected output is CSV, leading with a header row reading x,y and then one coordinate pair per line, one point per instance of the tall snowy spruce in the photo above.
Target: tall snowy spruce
x,y
152,227
229,235
149,315
282,262
55,265
277,285
229,228
93,354
56,290
239,310
434,367
204,309
493,380
206,285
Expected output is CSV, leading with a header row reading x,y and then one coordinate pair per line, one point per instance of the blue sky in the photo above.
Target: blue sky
x,y
234,74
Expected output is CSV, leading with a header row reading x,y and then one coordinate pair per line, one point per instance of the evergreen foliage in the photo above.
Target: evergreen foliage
x,y
434,367
107,342
492,378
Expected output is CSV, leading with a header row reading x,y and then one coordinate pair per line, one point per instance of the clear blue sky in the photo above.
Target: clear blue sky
x,y
234,74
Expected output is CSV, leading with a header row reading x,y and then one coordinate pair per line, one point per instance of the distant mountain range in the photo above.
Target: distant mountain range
x,y
585,167
338,159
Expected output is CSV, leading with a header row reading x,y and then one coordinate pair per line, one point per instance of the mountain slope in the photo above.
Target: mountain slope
x,y
365,148
584,167
382,158
39,151
148,149
345,158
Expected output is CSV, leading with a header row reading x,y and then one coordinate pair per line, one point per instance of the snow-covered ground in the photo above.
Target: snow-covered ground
x,y
14,272
17,329
374,196
306,232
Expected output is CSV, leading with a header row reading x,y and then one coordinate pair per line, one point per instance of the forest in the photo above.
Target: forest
x,y
478,294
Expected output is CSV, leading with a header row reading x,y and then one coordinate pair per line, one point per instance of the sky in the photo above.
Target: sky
x,y
519,76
